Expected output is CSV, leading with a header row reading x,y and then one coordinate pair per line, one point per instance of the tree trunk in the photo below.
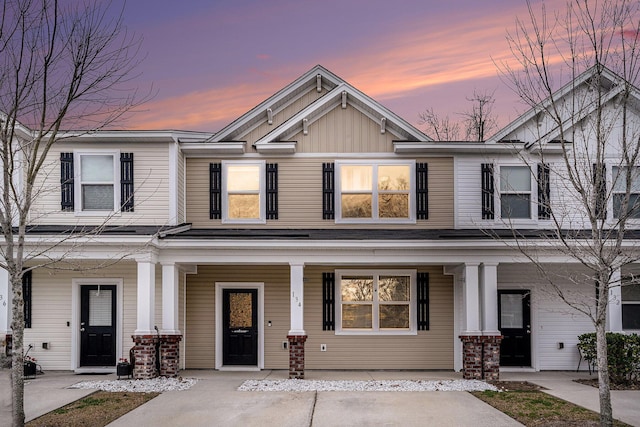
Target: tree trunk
x,y
606,412
17,359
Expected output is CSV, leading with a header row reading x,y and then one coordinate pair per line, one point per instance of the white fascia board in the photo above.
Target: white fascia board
x,y
562,92
208,148
279,147
356,99
294,124
392,118
307,78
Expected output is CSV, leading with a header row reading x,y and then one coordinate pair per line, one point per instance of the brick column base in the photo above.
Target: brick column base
x,y
296,356
481,357
170,355
145,354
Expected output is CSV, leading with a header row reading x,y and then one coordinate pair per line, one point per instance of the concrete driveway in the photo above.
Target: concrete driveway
x,y
214,400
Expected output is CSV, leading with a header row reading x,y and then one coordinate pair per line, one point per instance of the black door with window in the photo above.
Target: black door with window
x,y
240,326
97,325
514,322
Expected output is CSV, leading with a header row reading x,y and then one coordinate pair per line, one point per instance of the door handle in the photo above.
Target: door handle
x,y
81,329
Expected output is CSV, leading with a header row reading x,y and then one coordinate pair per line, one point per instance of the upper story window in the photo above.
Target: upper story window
x,y
98,175
515,192
375,301
96,182
375,192
620,190
243,191
631,306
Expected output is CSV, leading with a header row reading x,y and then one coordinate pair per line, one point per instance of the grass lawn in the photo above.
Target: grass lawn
x,y
525,403
96,410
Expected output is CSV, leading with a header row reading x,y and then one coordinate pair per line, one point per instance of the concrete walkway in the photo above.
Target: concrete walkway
x,y
214,400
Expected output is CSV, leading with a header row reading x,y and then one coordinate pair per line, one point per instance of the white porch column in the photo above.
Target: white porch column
x,y
470,294
297,300
146,296
5,303
614,311
170,281
489,286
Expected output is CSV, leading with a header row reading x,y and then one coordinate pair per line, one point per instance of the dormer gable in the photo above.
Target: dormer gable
x,y
291,112
575,102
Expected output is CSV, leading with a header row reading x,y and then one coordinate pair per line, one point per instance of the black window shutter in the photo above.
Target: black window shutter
x,y
328,193
328,301
423,301
66,182
26,297
487,191
126,182
215,190
544,192
422,191
600,188
272,191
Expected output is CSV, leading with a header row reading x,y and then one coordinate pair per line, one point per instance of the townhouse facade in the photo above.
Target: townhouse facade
x,y
317,231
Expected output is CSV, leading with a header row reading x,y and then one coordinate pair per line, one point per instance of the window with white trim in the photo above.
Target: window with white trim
x,y
515,192
99,189
375,192
630,306
243,192
375,301
620,189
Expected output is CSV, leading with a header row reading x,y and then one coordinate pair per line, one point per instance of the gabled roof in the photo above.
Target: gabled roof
x,y
338,93
610,80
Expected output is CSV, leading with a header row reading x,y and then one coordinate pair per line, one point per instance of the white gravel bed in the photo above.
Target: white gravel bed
x,y
370,385
159,384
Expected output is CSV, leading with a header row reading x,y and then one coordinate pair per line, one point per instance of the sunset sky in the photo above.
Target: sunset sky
x,y
211,61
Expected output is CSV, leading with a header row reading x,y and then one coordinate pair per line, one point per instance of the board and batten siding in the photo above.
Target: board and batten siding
x,y
553,321
52,309
300,195
344,131
151,186
431,349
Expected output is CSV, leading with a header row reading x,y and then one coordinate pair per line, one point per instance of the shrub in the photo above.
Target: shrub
x,y
623,353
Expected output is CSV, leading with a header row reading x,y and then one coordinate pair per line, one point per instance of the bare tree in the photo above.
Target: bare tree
x,y
477,122
480,121
61,66
443,128
594,47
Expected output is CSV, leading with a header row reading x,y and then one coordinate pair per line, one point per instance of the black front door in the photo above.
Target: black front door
x,y
97,325
514,322
240,326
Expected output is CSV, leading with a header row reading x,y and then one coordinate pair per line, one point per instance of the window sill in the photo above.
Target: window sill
x,y
375,221
388,333
98,213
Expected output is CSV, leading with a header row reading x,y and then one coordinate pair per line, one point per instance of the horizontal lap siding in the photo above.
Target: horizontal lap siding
x,y
52,309
432,349
200,316
151,186
300,195
553,321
